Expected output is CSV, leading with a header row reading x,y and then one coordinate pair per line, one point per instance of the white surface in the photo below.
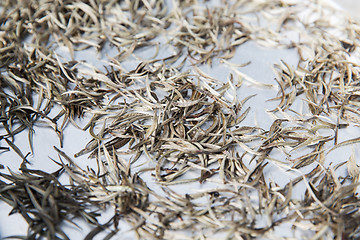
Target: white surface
x,y
350,6
262,59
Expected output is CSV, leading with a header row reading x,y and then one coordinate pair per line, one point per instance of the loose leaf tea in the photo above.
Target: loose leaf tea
x,y
44,202
159,123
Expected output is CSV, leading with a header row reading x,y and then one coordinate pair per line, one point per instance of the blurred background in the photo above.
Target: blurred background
x,y
352,6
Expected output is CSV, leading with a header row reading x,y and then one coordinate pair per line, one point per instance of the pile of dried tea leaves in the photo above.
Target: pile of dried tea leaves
x,y
153,112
